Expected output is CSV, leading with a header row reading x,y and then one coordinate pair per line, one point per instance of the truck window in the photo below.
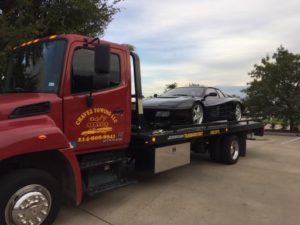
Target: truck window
x,y
35,68
83,70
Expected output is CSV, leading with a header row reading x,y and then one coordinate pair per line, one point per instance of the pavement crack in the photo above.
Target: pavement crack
x,y
93,215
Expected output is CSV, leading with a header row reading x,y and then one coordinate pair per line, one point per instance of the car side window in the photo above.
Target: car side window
x,y
221,95
211,90
83,70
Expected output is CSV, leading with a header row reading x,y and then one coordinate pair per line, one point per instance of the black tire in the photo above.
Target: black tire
x,y
198,146
215,149
230,149
198,106
18,181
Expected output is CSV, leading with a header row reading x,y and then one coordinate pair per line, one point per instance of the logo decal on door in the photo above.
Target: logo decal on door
x,y
97,125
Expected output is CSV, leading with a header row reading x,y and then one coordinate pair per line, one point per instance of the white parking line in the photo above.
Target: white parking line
x,y
290,141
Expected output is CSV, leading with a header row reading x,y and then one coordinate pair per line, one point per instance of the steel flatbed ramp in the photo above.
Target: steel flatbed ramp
x,y
185,133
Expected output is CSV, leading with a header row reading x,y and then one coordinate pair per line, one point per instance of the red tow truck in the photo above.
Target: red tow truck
x,y
70,126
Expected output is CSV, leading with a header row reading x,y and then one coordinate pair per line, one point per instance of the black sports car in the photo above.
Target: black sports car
x,y
192,105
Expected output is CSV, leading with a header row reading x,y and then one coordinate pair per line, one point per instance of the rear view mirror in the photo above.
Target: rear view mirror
x,y
102,59
212,94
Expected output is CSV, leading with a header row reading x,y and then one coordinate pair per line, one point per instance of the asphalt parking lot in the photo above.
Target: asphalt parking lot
x,y
262,188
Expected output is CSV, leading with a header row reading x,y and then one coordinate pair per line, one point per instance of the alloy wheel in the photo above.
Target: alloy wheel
x,y
234,149
198,114
238,112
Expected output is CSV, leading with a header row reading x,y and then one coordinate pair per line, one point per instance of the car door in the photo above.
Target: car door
x,y
104,124
212,104
225,107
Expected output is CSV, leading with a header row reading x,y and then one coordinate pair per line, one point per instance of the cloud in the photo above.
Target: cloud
x,y
210,42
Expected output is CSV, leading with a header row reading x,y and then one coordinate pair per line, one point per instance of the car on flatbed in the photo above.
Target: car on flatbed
x,y
192,105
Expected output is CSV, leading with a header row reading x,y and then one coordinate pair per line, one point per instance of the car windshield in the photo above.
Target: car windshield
x,y
185,91
35,68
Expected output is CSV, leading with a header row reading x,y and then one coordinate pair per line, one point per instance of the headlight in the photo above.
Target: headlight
x,y
162,114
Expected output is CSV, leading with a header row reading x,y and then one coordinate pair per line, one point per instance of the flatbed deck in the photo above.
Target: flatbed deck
x,y
185,133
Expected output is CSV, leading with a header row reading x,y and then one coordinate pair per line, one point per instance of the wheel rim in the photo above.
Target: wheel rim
x,y
28,206
234,149
238,112
197,114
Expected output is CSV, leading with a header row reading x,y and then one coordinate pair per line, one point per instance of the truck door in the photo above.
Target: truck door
x,y
105,124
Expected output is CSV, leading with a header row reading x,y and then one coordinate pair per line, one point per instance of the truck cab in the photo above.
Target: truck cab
x,y
63,98
56,80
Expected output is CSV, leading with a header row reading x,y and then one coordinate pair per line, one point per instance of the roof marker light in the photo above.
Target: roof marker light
x,y
52,37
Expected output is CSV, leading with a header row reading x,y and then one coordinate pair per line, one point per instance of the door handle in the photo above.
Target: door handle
x,y
118,111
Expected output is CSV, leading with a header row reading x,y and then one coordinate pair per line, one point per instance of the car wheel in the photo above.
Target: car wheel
x,y
238,112
197,114
29,196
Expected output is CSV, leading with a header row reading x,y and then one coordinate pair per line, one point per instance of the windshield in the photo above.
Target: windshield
x,y
35,68
188,91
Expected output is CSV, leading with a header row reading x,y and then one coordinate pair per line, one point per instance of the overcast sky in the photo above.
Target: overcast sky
x,y
210,42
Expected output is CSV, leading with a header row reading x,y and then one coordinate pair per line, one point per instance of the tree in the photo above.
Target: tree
x,y
23,20
275,89
171,86
194,85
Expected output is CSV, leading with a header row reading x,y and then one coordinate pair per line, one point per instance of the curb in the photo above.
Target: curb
x,y
276,133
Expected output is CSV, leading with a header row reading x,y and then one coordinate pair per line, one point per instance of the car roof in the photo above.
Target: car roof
x,y
205,87
197,87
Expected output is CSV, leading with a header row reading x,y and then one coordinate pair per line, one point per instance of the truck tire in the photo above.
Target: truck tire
x,y
215,149
230,149
27,197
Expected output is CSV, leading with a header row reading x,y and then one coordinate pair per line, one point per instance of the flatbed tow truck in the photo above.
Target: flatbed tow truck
x,y
69,128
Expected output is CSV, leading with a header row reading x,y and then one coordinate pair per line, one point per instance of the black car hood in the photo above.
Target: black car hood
x,y
181,102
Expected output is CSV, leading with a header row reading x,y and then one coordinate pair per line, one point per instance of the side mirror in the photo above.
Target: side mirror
x,y
155,95
102,59
101,79
212,94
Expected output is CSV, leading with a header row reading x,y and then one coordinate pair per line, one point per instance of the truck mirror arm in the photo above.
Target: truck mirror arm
x,y
90,100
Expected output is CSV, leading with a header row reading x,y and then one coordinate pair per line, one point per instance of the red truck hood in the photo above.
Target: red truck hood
x,y
9,102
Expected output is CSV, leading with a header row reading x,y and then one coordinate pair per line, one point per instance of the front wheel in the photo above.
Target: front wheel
x,y
197,114
29,197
